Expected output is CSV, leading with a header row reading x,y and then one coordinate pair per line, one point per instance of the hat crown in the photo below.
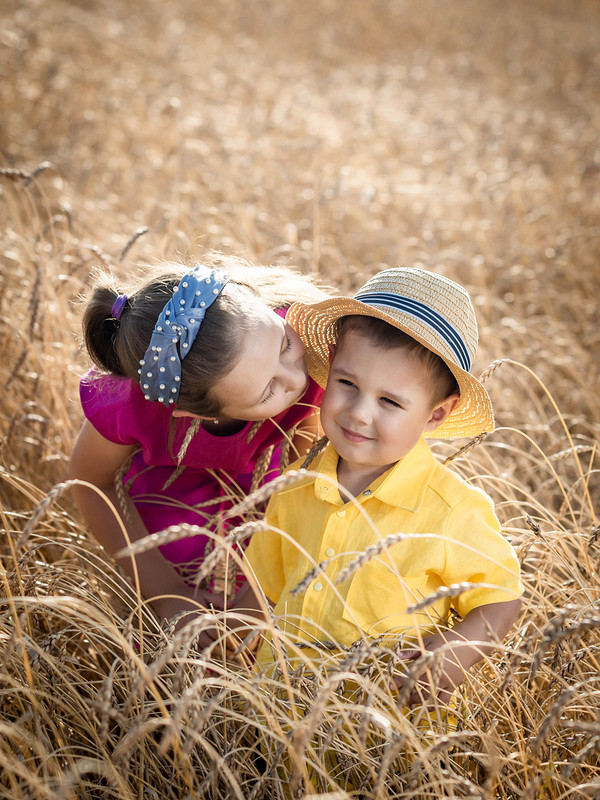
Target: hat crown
x,y
433,307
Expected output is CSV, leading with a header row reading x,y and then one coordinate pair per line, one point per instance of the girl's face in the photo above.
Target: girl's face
x,y
270,374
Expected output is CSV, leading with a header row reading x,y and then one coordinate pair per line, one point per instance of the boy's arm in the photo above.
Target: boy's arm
x,y
476,636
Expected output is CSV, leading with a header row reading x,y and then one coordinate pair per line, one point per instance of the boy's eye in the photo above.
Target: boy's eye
x,y
391,402
346,382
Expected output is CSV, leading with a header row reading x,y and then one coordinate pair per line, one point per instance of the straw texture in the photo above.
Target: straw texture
x,y
434,310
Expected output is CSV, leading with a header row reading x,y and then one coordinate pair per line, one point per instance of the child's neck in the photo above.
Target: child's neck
x,y
223,427
355,479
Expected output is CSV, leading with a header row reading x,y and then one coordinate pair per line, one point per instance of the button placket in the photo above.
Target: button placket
x,y
317,592
333,539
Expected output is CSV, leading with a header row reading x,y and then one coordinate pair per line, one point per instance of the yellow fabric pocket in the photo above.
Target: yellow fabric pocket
x,y
378,597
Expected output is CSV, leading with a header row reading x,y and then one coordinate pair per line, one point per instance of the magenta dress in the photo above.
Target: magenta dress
x,y
216,466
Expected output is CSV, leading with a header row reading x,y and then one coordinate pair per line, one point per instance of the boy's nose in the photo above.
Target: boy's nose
x,y
360,411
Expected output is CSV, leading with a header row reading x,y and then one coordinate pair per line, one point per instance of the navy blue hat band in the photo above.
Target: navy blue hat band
x,y
425,314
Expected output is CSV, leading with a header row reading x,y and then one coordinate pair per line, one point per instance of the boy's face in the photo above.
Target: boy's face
x,y
377,404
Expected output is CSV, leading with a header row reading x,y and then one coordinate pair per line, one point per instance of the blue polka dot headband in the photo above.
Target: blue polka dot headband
x,y
175,331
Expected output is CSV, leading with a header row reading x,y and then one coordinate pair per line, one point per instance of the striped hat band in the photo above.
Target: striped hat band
x,y
425,314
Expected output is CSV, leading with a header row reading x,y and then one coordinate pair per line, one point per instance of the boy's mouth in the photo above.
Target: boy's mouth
x,y
355,438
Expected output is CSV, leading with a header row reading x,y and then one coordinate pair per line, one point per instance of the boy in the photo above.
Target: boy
x,y
396,362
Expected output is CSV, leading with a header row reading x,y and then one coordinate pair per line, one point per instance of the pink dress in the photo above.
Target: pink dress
x,y
216,467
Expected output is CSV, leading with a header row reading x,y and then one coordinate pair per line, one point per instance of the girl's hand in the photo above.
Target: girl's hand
x,y
217,631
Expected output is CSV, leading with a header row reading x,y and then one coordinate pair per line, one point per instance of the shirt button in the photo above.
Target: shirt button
x,y
318,586
329,552
341,513
367,492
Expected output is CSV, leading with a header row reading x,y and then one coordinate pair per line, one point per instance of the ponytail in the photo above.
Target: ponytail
x,y
100,330
117,345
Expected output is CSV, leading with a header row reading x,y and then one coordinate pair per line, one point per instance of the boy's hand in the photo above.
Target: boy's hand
x,y
477,635
437,676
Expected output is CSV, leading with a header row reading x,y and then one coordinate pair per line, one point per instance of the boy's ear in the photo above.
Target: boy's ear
x,y
331,352
442,411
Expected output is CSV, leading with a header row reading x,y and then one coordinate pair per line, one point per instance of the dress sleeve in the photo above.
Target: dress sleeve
x,y
117,409
478,552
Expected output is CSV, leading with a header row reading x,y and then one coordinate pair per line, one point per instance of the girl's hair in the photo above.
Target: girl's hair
x,y
386,336
116,346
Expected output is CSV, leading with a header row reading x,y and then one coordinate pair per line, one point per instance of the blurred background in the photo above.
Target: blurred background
x,y
341,136
461,135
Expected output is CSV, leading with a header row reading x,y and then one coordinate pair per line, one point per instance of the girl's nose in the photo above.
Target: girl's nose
x,y
294,378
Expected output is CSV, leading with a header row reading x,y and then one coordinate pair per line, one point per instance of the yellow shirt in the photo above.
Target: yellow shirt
x,y
447,533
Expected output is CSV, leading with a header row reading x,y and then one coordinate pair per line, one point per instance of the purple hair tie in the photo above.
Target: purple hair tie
x,y
118,306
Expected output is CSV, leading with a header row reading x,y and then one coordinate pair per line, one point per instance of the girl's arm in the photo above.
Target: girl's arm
x,y
464,645
96,460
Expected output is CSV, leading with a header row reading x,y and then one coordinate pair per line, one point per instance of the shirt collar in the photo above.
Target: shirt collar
x,y
403,485
326,481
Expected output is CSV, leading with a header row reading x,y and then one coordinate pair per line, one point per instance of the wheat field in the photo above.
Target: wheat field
x,y
340,136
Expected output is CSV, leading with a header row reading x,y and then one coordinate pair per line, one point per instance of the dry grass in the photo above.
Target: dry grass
x,y
461,136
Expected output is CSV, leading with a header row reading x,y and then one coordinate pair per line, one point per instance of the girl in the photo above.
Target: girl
x,y
199,389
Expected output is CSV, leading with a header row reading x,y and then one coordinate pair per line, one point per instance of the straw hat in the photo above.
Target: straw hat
x,y
432,309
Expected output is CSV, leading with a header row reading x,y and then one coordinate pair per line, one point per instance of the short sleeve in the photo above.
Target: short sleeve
x,y
478,552
117,409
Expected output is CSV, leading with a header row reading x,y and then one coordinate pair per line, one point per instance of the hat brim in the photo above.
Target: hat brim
x,y
316,326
